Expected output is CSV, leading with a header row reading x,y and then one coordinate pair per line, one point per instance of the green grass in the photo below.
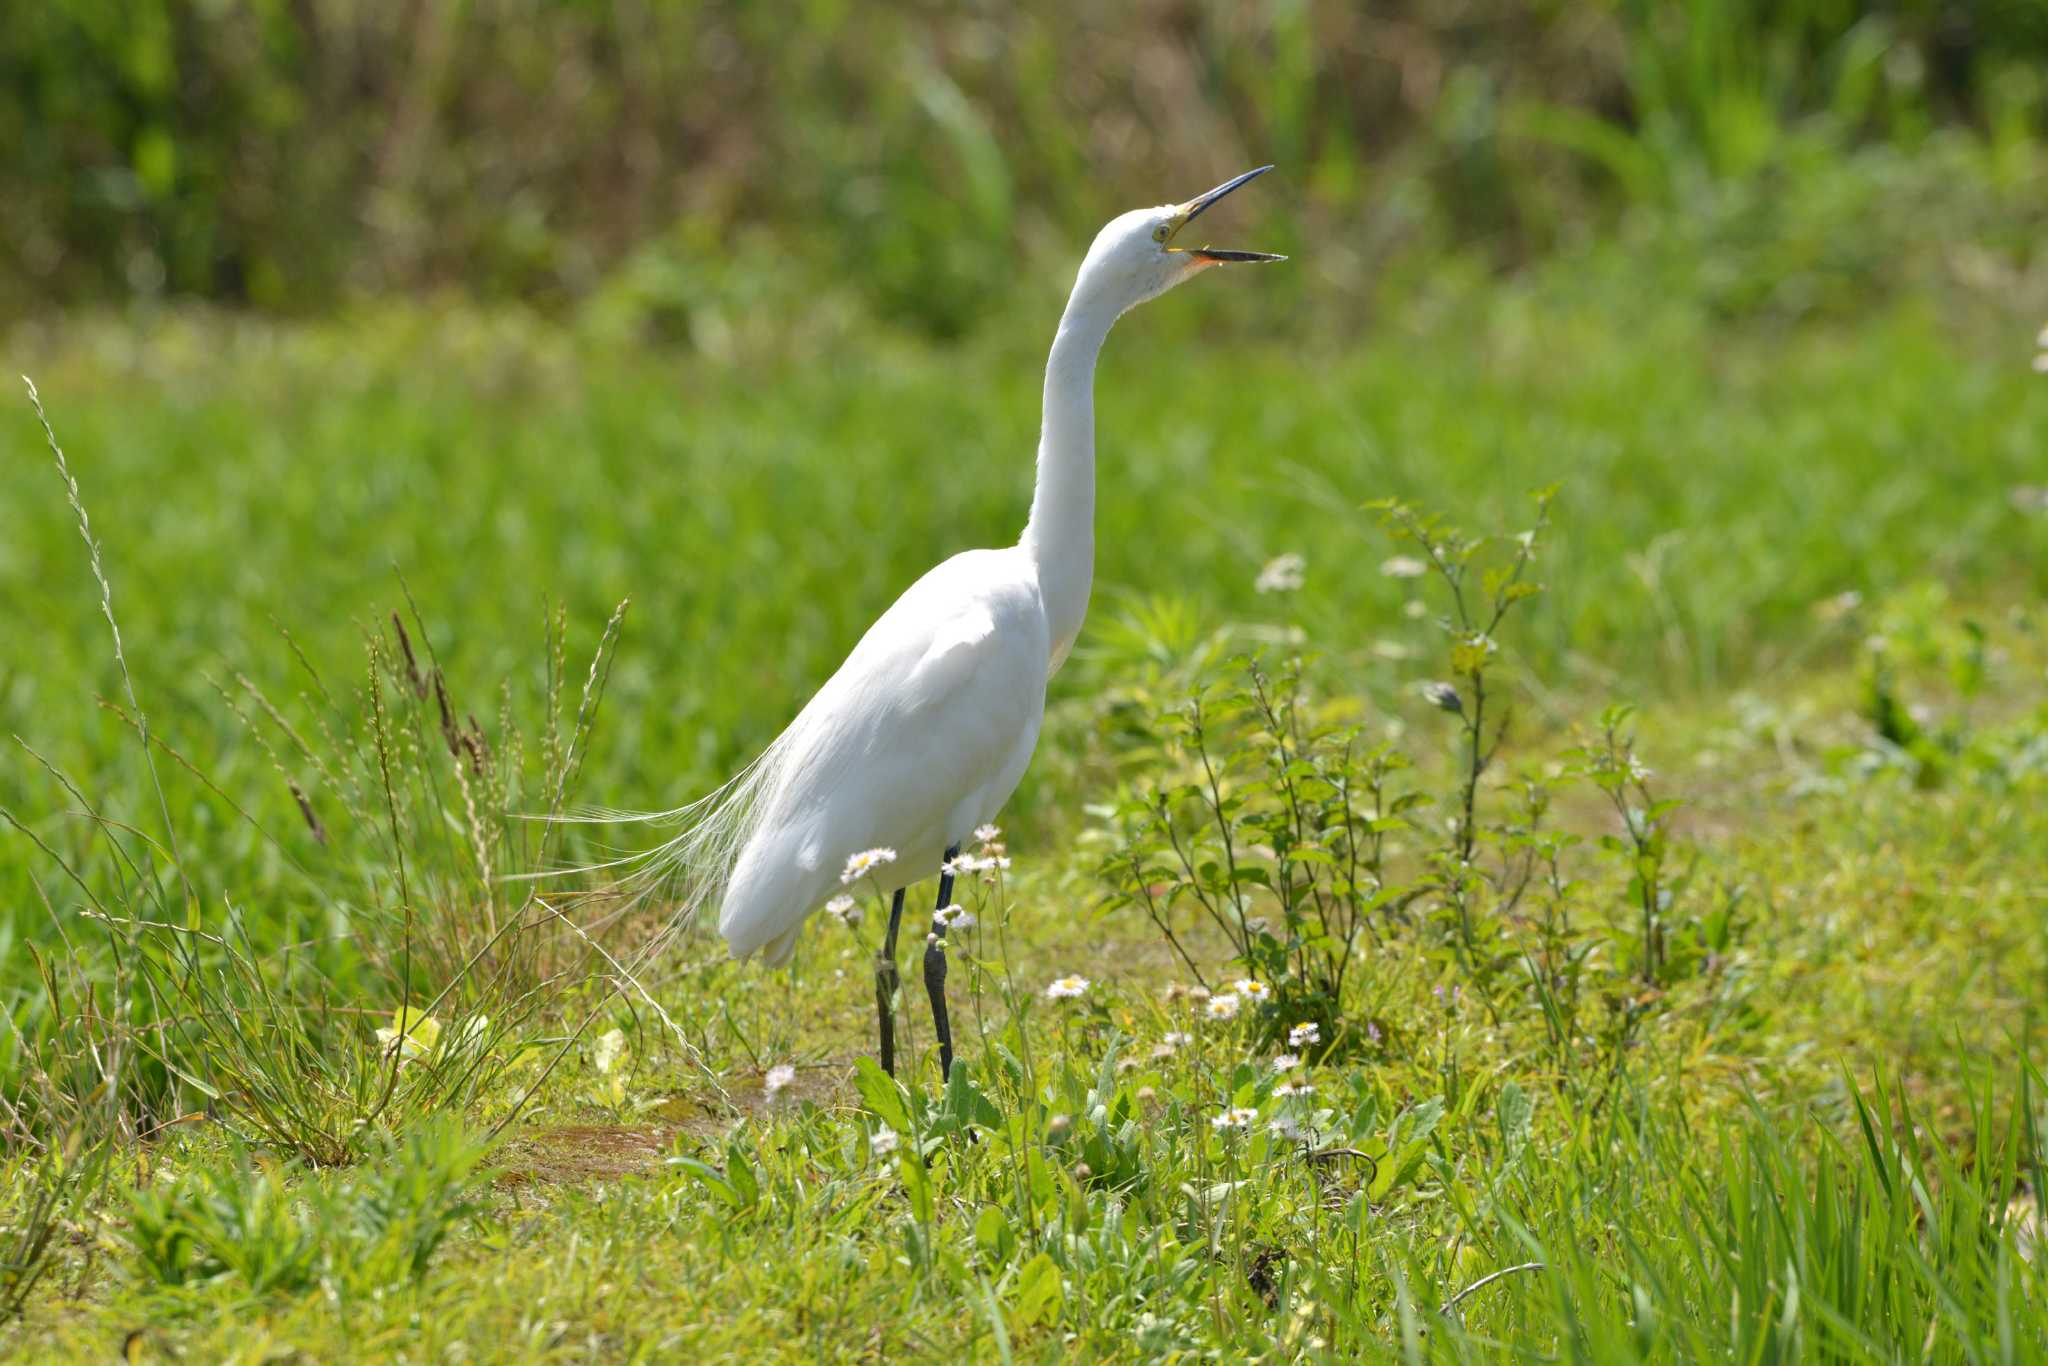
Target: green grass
x,y
1810,1133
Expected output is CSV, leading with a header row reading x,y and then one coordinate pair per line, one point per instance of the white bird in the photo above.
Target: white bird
x,y
925,730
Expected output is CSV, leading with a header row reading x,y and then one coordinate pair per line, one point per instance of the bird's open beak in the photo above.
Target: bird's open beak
x,y
1197,206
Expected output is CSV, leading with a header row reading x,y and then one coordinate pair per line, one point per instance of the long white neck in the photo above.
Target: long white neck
x,y
1060,537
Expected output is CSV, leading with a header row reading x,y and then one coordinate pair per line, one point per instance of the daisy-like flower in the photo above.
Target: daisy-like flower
x,y
1066,988
844,909
866,861
1307,1032
987,834
1286,1062
778,1079
1282,574
1222,1007
1294,1088
1255,992
1177,1038
1285,1127
954,917
1198,993
882,1141
1403,567
1236,1118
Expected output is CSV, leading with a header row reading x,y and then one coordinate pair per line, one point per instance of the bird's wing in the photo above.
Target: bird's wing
x,y
920,730
958,646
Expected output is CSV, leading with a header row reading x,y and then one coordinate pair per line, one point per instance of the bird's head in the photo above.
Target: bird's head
x,y
1142,254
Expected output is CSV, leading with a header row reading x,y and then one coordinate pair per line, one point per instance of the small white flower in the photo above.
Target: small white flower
x,y
1285,1127
987,834
844,909
866,861
1286,1062
778,1079
1177,1038
1414,609
954,917
1403,567
1235,1118
1293,1088
882,1141
1307,1032
1066,988
1282,574
1638,770
1256,924
1255,992
1222,1007
1198,993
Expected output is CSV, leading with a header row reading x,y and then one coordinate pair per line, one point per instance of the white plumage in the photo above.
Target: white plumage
x,y
926,729
921,735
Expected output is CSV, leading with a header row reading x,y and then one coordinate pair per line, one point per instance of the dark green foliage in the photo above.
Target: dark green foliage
x,y
237,1218
289,155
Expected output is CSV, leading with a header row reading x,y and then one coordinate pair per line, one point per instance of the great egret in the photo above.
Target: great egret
x,y
925,730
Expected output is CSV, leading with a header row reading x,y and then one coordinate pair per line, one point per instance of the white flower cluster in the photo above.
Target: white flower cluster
x,y
1067,988
844,909
1282,574
865,862
1307,1032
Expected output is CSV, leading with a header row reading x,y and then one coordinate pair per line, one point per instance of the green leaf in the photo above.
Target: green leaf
x,y
739,1173
968,1104
883,1096
993,1235
1514,1110
1039,1292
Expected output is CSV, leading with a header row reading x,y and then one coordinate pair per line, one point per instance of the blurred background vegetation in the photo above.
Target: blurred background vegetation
x,y
661,167
1754,280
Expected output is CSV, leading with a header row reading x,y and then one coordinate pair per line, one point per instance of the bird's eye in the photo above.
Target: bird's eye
x,y
1159,233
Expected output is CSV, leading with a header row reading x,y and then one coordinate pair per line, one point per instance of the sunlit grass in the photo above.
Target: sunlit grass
x,y
1756,1077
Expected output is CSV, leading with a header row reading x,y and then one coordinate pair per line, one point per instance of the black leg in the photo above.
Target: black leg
x,y
886,983
935,971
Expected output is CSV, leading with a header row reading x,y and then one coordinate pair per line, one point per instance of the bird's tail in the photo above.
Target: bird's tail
x,y
692,867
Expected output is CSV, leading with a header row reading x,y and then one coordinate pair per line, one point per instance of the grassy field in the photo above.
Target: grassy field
x,y
1751,1075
